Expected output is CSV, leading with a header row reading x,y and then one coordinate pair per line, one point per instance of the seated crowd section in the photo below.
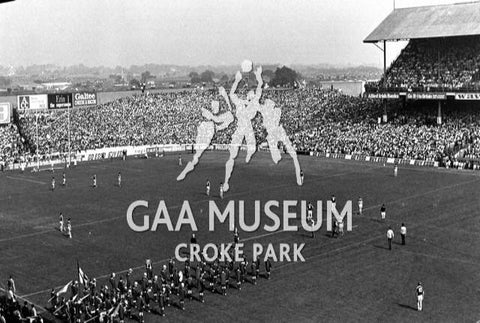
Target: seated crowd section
x,y
436,64
316,120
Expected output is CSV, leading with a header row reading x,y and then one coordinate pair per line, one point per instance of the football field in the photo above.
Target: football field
x,y
352,278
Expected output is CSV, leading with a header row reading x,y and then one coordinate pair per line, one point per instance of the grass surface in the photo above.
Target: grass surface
x,y
349,279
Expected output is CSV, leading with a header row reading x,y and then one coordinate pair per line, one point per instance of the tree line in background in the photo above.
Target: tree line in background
x,y
283,76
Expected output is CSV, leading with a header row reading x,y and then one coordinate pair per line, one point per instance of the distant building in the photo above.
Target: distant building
x,y
56,86
151,84
353,88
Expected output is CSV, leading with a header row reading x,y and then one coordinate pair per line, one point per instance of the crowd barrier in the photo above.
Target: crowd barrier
x,y
53,160
380,160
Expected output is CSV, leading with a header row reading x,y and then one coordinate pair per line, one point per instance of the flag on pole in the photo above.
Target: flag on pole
x,y
58,309
82,277
64,289
115,310
83,298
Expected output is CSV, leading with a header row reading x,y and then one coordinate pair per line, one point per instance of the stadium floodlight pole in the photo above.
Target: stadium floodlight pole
x,y
385,79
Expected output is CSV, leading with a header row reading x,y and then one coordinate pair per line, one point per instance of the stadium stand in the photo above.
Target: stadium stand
x,y
11,146
317,121
435,65
443,53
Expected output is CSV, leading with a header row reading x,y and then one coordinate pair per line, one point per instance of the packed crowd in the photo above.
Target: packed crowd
x,y
172,118
11,146
399,138
12,311
435,64
315,119
131,297
469,156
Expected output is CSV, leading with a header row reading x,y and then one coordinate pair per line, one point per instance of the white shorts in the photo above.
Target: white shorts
x,y
383,214
420,298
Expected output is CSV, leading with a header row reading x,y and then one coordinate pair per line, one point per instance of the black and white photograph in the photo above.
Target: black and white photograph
x,y
239,161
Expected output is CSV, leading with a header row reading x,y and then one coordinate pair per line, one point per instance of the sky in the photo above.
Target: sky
x,y
194,32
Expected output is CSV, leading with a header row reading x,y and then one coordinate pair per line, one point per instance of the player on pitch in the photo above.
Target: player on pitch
x,y
420,292
383,211
360,206
310,211
390,236
222,190
207,187
403,233
69,229
61,226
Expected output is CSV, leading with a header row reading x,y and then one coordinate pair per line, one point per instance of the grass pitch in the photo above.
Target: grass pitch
x,y
346,279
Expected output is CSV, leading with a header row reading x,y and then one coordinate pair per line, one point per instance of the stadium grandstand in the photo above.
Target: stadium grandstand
x,y
442,58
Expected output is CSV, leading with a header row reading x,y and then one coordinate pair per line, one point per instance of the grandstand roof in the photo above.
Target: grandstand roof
x,y
452,20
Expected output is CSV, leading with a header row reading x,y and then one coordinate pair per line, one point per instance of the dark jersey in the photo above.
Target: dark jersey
x,y
223,278
268,265
419,290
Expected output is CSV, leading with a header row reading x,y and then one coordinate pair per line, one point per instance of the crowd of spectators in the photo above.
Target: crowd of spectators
x,y
402,137
140,119
316,120
11,311
434,65
11,144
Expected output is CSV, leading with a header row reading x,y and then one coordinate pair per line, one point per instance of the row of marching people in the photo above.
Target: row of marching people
x,y
129,297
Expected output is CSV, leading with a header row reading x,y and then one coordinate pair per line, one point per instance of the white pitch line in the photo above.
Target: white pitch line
x,y
26,180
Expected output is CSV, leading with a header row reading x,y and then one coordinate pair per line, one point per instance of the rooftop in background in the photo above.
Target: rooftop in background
x,y
459,19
